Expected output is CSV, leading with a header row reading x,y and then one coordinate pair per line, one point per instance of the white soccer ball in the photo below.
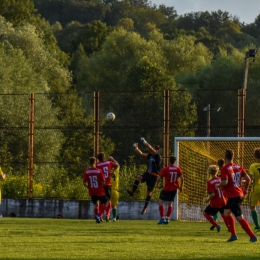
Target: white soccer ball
x,y
111,116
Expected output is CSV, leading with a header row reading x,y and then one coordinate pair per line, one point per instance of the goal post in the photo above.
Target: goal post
x,y
193,156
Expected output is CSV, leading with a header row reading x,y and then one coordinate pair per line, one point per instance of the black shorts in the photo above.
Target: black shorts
x,y
107,190
102,199
167,195
213,211
234,204
150,180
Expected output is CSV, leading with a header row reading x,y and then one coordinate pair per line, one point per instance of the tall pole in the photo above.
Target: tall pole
x,y
208,120
31,146
166,125
96,123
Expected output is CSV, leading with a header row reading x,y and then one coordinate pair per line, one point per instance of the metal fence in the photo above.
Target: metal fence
x,y
47,151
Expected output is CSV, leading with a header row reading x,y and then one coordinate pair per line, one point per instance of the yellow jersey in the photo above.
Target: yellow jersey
x,y
254,170
115,180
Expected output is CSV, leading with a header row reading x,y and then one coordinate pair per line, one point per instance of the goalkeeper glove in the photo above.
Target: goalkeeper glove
x,y
143,140
135,145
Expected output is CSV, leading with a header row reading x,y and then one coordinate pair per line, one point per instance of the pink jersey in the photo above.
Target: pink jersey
x,y
232,173
106,167
171,174
94,177
219,200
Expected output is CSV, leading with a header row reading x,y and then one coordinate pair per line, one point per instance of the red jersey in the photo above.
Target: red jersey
x,y
219,200
94,177
171,174
232,173
106,167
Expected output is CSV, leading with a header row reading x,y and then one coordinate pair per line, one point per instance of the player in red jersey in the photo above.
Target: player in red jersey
x,y
107,167
231,177
170,174
94,179
216,198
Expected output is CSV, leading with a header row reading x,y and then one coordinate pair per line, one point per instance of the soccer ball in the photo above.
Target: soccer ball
x,y
111,116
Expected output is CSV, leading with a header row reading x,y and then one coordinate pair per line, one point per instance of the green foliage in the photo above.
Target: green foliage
x,y
15,186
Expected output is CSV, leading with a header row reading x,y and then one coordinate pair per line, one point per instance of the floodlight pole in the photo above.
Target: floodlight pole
x,y
208,120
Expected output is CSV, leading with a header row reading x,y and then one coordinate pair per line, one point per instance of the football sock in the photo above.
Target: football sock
x,y
108,208
215,217
255,218
169,212
232,225
96,211
114,213
147,201
244,224
210,219
102,208
161,210
135,186
226,222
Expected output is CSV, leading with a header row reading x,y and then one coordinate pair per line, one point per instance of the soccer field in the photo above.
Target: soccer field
x,y
84,239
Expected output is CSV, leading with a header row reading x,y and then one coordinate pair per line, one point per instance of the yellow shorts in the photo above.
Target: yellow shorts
x,y
254,199
114,198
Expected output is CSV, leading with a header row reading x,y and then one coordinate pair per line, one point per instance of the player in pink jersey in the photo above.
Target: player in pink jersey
x,y
231,178
216,198
171,174
107,166
94,179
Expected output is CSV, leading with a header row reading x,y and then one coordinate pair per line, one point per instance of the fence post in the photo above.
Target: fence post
x,y
31,146
96,123
166,141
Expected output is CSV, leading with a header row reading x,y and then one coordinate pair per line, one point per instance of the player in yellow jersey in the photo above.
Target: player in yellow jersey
x,y
114,190
254,197
2,176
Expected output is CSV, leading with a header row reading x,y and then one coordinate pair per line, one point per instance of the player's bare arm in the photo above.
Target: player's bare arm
x,y
247,180
110,158
210,197
223,183
148,146
139,152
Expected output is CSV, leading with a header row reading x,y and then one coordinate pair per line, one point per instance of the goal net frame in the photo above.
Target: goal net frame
x,y
241,142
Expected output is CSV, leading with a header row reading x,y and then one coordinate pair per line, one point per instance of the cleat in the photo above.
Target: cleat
x,y
97,217
166,221
257,229
232,238
117,217
254,239
107,218
212,227
130,193
114,219
143,211
101,219
218,228
161,221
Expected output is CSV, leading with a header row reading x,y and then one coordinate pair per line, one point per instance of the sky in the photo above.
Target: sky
x,y
246,10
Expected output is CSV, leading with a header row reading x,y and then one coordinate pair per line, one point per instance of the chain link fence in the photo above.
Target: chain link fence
x,y
68,130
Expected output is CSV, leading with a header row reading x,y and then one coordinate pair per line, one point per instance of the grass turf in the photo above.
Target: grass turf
x,y
24,238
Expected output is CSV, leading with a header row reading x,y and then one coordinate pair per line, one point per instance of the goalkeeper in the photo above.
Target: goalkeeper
x,y
150,176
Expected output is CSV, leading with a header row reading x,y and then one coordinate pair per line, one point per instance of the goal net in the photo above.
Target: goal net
x,y
194,155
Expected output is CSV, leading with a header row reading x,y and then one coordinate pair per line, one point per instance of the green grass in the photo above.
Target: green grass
x,y
44,239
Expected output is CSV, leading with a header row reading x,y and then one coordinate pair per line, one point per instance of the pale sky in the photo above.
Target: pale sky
x,y
246,10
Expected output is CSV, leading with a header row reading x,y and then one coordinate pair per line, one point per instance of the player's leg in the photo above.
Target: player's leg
x,y
138,179
208,213
161,208
221,211
114,203
150,182
230,221
253,200
108,207
95,201
236,210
